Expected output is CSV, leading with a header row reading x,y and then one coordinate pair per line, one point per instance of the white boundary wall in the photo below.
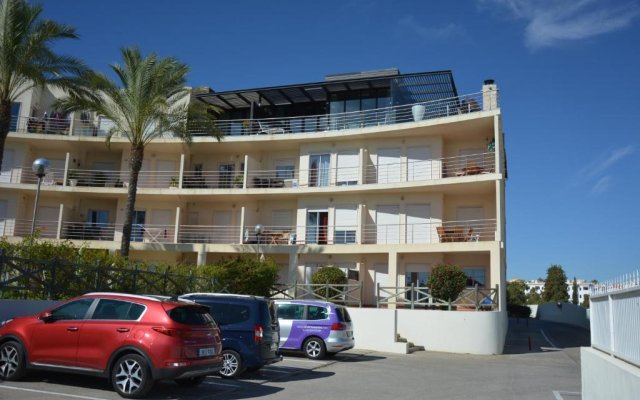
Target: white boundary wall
x,y
605,377
472,332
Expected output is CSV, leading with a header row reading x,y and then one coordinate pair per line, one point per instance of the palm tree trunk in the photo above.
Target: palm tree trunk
x,y
135,164
5,124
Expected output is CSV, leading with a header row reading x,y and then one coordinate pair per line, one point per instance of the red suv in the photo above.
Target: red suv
x,y
132,340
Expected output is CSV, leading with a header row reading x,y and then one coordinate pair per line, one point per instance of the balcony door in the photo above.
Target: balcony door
x,y
388,224
7,165
137,229
97,224
419,163
222,227
317,225
418,223
166,171
389,165
225,175
418,276
319,169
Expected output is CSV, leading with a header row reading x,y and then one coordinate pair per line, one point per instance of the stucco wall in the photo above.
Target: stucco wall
x,y
605,377
454,332
566,314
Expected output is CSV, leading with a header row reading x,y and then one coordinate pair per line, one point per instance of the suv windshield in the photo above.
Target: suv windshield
x,y
343,314
191,315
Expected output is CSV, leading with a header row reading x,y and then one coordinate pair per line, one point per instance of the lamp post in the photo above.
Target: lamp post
x,y
259,229
40,167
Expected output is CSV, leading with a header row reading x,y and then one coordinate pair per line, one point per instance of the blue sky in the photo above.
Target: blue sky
x,y
568,73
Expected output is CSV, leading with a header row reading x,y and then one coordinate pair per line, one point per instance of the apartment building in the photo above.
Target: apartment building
x,y
380,173
584,288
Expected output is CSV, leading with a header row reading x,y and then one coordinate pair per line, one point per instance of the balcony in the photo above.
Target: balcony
x,y
420,233
458,105
407,113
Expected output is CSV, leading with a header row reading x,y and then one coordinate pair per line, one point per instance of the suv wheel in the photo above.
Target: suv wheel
x,y
314,348
130,376
231,364
12,365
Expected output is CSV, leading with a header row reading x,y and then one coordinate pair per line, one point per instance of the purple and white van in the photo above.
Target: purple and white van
x,y
318,328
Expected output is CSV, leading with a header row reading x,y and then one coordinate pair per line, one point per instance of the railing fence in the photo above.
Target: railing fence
x,y
615,317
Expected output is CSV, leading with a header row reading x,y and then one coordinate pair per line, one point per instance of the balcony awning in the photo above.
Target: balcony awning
x,y
405,88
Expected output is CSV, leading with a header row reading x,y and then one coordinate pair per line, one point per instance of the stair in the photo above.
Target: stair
x,y
411,348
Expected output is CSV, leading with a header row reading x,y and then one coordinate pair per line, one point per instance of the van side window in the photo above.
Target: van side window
x,y
290,311
226,314
315,313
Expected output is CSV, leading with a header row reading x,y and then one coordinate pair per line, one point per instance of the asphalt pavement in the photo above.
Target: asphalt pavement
x,y
550,370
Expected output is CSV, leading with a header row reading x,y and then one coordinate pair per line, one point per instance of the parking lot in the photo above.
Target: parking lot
x,y
551,370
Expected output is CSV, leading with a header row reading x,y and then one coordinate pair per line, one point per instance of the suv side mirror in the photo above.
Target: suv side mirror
x,y
47,317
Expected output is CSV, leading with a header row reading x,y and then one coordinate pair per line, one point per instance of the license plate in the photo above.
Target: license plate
x,y
206,352
274,346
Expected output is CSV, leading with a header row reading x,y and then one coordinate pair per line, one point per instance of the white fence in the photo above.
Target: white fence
x,y
615,317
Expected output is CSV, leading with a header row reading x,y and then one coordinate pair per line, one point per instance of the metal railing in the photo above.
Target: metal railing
x,y
475,298
464,104
615,317
400,172
419,233
346,294
357,119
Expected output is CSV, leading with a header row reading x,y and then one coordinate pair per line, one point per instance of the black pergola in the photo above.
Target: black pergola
x,y
404,89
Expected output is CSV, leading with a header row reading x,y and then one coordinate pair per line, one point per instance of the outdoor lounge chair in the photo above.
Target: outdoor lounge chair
x,y
266,129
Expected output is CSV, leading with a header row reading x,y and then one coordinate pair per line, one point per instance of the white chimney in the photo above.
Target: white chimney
x,y
489,95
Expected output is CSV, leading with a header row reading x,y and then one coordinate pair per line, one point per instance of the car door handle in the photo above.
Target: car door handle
x,y
122,330
73,329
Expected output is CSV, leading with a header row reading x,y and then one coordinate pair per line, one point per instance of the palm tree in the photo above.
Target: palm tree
x,y
26,58
148,101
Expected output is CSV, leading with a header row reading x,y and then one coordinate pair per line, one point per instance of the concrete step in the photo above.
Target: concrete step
x,y
412,348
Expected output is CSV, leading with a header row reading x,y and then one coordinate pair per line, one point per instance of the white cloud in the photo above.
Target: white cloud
x,y
597,170
552,22
427,32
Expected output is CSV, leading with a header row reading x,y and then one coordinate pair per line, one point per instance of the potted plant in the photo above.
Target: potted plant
x,y
173,183
238,181
72,177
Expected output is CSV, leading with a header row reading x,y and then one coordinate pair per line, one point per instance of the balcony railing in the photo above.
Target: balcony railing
x,y
357,119
417,233
299,124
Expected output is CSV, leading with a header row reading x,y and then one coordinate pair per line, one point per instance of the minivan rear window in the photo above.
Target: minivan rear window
x,y
191,315
343,314
268,314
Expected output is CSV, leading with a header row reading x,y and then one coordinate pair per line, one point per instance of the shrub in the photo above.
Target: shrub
x,y
446,282
244,275
328,275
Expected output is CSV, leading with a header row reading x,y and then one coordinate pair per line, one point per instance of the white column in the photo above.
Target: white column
x,y
363,167
66,168
245,172
393,273
242,227
72,124
176,232
60,214
292,275
202,255
181,176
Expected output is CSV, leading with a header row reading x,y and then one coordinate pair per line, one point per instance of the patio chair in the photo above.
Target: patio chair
x,y
266,129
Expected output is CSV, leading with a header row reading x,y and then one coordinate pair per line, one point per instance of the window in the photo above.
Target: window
x,y
343,314
475,276
72,311
117,309
315,313
285,171
191,315
346,223
348,168
226,314
15,115
290,311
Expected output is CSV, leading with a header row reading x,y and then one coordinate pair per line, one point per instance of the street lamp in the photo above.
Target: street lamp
x,y
259,229
40,167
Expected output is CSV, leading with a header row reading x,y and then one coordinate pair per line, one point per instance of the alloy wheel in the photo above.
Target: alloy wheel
x,y
129,376
230,364
9,361
313,349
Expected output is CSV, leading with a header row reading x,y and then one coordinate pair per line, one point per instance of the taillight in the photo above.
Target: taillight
x,y
258,333
168,331
338,326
